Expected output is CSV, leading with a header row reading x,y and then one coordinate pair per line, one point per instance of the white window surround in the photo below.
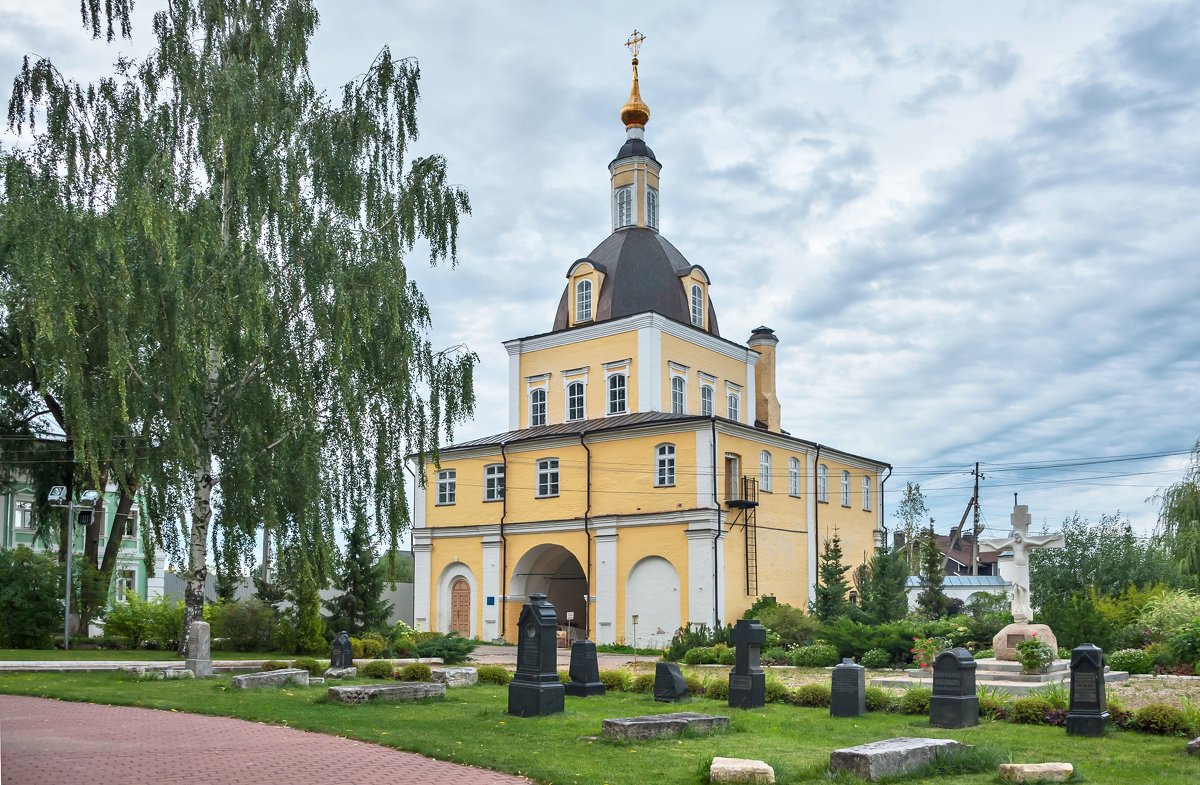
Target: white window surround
x,y
625,207
822,483
764,471
23,518
651,207
126,582
583,300
706,400
734,402
845,488
576,401
793,476
664,465
866,493
493,482
678,394
547,478
131,524
447,481
537,406
697,300
617,398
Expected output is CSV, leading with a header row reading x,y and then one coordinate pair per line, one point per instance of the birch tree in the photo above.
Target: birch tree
x,y
267,346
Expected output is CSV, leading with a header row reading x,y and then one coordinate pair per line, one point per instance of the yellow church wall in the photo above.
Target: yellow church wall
x,y
469,508
698,359
592,355
445,551
624,471
854,525
519,544
523,503
635,543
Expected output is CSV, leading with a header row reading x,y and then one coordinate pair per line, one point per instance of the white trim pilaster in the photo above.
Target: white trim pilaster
x,y
422,582
649,368
491,588
606,585
811,513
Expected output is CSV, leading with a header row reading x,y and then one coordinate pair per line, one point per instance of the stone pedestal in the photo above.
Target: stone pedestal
x,y
954,703
1005,643
536,689
199,655
1088,712
585,671
848,690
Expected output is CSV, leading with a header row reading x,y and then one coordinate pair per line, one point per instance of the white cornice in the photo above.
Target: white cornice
x,y
611,327
613,522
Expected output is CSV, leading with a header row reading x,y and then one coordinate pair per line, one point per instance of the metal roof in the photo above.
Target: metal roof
x,y
577,427
992,581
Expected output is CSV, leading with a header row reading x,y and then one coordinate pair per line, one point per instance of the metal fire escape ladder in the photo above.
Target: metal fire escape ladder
x,y
746,503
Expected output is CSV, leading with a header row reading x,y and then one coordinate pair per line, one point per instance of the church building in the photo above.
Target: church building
x,y
645,482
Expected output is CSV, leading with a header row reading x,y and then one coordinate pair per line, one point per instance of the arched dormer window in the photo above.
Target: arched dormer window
x,y
624,213
697,305
652,208
537,407
583,301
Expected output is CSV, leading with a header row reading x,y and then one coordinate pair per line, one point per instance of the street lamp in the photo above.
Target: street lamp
x,y
635,617
56,497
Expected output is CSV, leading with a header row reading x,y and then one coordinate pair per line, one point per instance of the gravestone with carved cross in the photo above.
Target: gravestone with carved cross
x,y
747,681
1021,543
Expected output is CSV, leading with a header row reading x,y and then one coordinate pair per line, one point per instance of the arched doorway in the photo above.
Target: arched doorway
x,y
652,592
554,571
460,607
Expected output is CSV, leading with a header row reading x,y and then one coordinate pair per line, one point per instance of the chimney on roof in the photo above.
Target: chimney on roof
x,y
766,402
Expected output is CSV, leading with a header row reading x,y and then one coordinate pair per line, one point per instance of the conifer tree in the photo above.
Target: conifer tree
x,y
884,589
829,597
360,607
244,236
932,601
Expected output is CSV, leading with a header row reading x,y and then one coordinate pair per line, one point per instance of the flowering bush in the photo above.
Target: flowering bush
x,y
1035,655
924,650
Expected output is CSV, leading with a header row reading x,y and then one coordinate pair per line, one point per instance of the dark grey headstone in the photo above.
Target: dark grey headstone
x,y
536,689
660,725
747,681
848,690
585,670
669,685
1088,712
954,703
341,653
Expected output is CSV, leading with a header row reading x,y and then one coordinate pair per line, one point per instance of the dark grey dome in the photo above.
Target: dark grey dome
x,y
635,147
641,273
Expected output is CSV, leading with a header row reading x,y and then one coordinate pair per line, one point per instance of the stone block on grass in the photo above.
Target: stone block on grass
x,y
456,677
891,757
1193,746
741,770
1036,772
251,681
341,673
656,726
404,691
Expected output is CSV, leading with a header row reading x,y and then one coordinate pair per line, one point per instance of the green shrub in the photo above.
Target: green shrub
x,y
276,665
818,655
1056,693
414,671
876,658
643,682
914,700
725,655
984,654
378,669
702,655
776,691
1132,660
1167,613
717,688
793,626
693,637
812,695
493,674
1030,710
695,684
878,699
356,648
993,703
1161,656
30,594
1035,655
1185,643
451,647
564,677
314,667
157,622
373,645
776,655
616,681
1162,719
244,625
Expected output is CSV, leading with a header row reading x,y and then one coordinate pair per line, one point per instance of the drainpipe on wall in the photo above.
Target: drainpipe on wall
x,y
717,535
882,528
587,576
817,512
503,544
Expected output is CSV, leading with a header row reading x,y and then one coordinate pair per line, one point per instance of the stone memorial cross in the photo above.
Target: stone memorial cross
x,y
747,680
1022,542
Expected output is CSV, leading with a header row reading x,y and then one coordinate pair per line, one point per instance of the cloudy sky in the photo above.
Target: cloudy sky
x,y
975,227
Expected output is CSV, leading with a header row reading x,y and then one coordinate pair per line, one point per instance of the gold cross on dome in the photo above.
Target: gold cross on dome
x,y
635,42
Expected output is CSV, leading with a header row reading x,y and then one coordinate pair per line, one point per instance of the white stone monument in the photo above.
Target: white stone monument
x,y
199,659
1021,542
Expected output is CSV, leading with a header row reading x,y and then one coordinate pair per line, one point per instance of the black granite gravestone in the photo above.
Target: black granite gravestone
x,y
585,670
848,693
1088,712
669,685
341,653
536,689
954,703
747,681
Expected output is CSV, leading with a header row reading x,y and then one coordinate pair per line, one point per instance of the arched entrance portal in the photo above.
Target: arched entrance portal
x,y
460,607
652,592
554,571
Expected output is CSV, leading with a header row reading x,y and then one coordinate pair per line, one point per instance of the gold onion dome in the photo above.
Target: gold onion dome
x,y
635,113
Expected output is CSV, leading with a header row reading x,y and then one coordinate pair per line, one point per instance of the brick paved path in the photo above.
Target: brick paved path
x,y
46,742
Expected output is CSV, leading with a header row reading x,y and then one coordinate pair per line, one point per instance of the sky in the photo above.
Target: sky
x,y
974,227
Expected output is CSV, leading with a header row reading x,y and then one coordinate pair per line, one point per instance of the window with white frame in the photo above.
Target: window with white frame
x,y
793,476
537,407
652,208
493,482
575,401
764,470
845,489
583,301
131,524
126,583
866,485
697,305
678,395
547,477
446,486
822,483
23,518
706,400
734,401
624,197
616,393
664,459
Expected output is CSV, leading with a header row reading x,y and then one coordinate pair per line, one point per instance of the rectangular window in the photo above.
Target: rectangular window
x,y
447,480
822,483
664,474
126,583
616,393
793,477
624,198
24,515
678,395
493,482
652,208
764,470
583,301
547,477
537,408
845,489
131,524
866,482
734,406
575,401
706,400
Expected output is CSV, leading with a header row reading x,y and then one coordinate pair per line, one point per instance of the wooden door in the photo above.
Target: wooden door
x,y
460,607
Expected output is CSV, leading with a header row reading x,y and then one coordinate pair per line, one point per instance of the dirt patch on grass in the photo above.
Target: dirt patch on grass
x,y
1141,690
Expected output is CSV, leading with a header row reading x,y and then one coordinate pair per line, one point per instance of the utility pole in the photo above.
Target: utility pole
x,y
975,537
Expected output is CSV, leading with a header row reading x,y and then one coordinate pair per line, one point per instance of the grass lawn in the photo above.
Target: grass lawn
x,y
141,655
471,726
